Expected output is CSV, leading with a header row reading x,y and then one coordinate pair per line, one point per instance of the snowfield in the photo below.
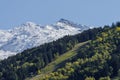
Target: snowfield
x,y
30,35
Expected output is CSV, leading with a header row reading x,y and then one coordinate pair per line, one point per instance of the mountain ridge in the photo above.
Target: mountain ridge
x,y
30,35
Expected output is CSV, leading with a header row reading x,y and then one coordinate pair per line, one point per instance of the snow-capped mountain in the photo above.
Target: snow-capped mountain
x,y
29,35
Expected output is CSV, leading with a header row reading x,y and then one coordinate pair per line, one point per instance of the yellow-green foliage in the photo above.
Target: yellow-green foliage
x,y
104,34
99,39
105,78
117,28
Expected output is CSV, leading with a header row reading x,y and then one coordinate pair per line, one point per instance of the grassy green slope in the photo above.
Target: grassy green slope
x,y
54,65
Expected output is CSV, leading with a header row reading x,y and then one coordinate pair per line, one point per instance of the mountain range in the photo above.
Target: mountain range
x,y
92,54
30,34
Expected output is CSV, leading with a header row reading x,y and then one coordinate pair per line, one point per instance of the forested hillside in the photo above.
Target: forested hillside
x,y
30,62
98,60
91,55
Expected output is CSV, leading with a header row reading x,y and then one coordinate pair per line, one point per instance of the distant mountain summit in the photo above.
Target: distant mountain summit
x,y
30,35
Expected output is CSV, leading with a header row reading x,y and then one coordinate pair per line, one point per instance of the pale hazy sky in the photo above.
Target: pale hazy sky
x,y
86,12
